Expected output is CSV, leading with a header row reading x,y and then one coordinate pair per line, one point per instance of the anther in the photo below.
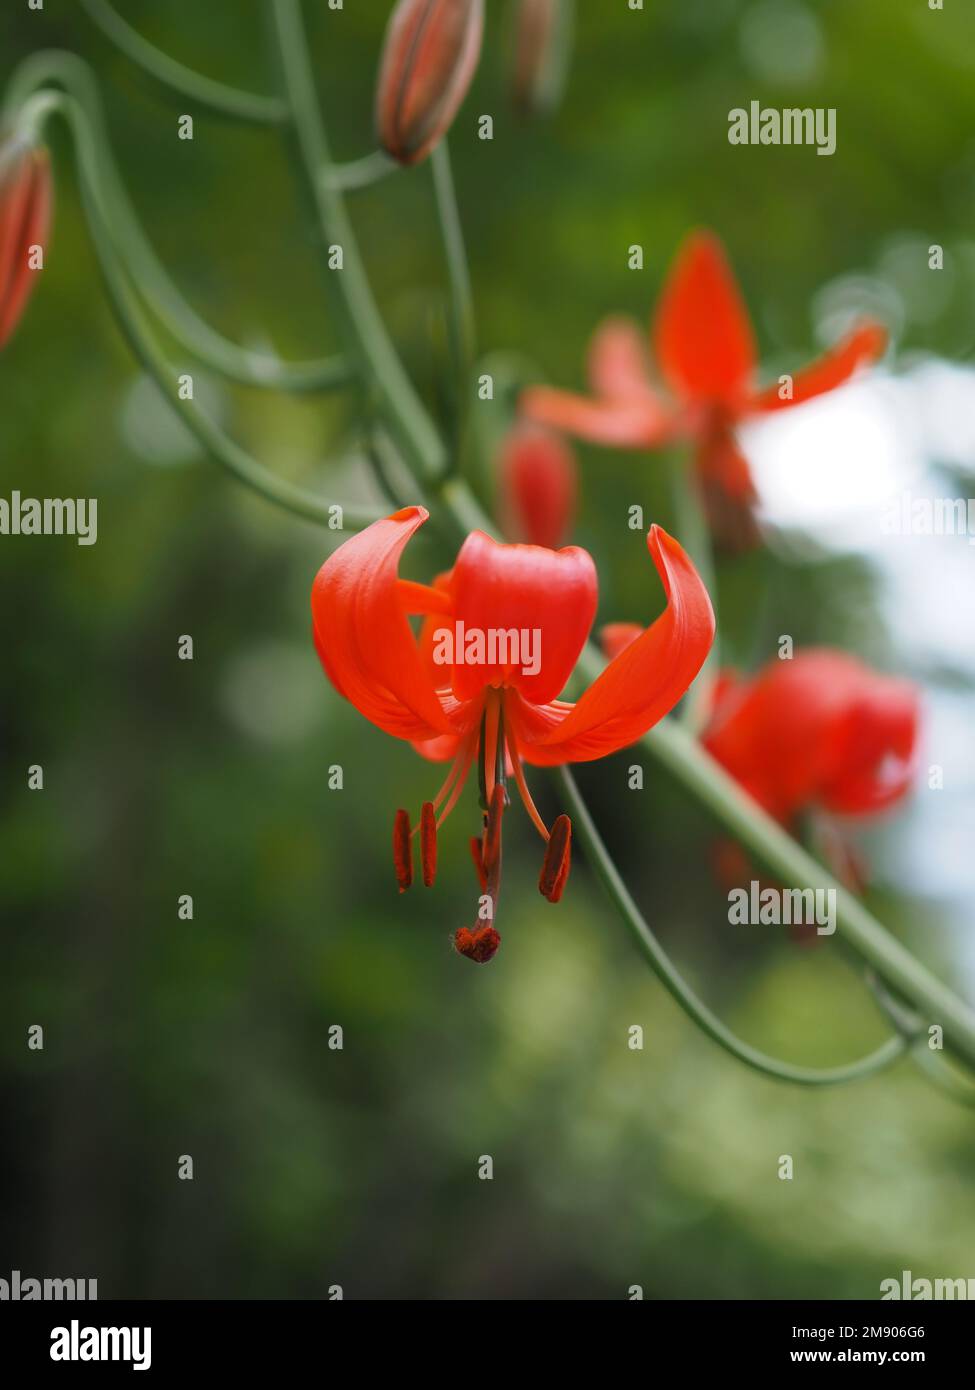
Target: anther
x,y
402,850
558,856
480,945
428,843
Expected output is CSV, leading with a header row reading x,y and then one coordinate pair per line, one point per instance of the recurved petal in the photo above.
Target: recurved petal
x,y
619,360
363,637
864,345
631,423
643,682
702,334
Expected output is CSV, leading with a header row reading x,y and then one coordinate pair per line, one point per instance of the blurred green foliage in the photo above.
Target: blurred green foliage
x,y
358,1167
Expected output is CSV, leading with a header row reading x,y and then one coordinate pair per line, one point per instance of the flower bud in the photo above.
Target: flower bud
x,y
25,208
430,52
538,486
542,40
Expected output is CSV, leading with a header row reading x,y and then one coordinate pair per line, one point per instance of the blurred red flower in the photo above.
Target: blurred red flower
x,y
537,486
704,347
822,731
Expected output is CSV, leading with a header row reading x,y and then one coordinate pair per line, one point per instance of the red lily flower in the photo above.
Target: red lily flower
x,y
430,54
464,689
25,207
704,346
822,731
538,486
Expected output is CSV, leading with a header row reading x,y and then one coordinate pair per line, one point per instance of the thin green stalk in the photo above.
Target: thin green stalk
x,y
149,277
672,980
462,338
380,365
216,96
359,173
225,451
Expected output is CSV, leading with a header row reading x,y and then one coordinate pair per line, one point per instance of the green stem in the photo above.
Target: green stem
x,y
149,277
677,751
378,360
672,980
359,173
224,450
462,338
216,96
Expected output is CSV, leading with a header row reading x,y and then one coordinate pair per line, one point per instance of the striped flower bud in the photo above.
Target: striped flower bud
x,y
430,52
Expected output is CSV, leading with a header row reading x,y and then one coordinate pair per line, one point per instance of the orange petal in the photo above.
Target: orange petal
x,y
642,683
702,334
363,637
637,423
547,597
619,361
865,344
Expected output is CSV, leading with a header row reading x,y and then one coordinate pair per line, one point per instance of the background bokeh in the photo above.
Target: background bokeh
x,y
358,1167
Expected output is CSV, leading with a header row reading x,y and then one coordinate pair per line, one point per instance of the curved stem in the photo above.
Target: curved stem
x,y
672,980
216,96
378,360
224,450
932,1063
149,277
359,173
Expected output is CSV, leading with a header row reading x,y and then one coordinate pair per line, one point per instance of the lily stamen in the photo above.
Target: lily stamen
x,y
402,850
428,843
558,855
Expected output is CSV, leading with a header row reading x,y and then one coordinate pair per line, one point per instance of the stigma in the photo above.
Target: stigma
x,y
492,744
